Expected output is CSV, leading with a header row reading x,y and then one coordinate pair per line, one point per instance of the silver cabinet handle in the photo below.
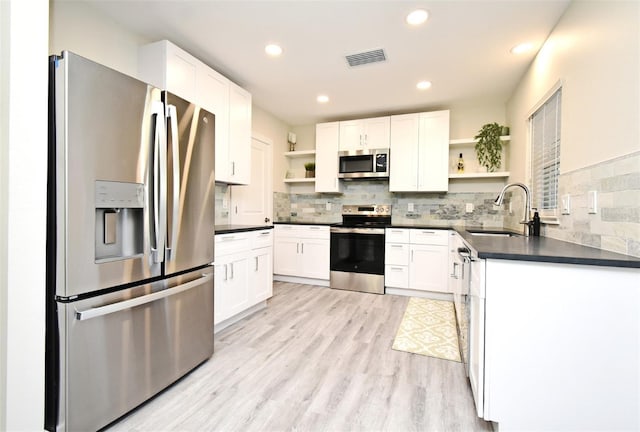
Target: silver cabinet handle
x,y
231,266
256,263
297,247
396,246
411,256
233,168
396,268
428,232
226,272
128,304
301,248
454,274
172,115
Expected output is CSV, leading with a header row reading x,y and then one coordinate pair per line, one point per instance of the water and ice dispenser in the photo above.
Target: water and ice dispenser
x,y
119,225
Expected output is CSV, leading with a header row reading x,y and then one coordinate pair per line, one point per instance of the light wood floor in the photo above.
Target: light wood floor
x,y
315,359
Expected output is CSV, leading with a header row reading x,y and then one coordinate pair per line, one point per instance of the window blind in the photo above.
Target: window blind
x,y
545,152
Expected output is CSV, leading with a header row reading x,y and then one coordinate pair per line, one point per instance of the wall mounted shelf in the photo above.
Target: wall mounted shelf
x,y
498,174
299,180
300,153
467,141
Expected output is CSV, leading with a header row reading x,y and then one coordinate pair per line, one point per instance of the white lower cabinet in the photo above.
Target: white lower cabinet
x,y
243,273
302,251
261,273
416,259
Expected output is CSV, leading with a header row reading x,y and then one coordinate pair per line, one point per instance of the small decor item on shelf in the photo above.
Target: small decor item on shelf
x,y
460,164
488,147
291,139
310,169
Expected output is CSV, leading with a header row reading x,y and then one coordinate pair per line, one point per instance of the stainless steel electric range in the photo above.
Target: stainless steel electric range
x,y
357,248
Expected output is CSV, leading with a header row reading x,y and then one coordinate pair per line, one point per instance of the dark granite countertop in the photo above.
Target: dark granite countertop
x,y
543,249
226,229
521,248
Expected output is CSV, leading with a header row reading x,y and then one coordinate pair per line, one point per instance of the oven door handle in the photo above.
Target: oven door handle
x,y
378,231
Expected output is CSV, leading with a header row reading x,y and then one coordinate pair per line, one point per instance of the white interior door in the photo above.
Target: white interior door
x,y
253,204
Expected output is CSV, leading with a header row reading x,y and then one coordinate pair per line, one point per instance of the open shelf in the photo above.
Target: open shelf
x,y
300,153
300,180
497,174
467,141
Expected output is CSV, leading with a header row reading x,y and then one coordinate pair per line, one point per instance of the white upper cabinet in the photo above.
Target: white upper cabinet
x,y
238,151
170,68
327,144
403,157
371,133
419,155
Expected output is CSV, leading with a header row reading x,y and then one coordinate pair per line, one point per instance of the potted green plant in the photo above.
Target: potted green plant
x,y
489,148
310,169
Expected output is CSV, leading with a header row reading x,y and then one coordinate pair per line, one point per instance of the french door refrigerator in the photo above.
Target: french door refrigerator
x,y
130,227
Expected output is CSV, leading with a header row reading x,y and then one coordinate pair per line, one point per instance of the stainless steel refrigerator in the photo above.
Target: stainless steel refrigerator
x,y
130,227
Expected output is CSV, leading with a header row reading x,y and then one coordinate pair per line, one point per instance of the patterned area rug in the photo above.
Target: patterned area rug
x,y
428,328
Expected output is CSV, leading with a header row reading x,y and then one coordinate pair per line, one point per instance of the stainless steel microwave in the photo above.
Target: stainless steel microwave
x,y
367,163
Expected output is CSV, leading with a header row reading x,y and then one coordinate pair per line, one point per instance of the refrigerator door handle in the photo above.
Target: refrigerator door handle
x,y
172,117
159,187
128,304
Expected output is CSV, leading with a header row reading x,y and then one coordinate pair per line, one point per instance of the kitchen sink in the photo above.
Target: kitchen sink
x,y
491,233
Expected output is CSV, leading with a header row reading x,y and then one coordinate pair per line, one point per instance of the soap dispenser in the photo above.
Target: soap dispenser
x,y
536,223
460,164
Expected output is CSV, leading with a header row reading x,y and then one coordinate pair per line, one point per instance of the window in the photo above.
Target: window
x,y
545,156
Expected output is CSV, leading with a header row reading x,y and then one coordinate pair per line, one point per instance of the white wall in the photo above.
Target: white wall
x,y
79,27
269,126
23,170
594,50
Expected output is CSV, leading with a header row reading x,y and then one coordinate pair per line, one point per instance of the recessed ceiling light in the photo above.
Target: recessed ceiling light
x,y
273,50
417,17
521,48
423,85
322,99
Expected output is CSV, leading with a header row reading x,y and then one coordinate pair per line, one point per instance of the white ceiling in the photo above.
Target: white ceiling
x,y
463,49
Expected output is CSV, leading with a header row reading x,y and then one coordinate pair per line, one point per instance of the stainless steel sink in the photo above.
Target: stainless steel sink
x,y
490,233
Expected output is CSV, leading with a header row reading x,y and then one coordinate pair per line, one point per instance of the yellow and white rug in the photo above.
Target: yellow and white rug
x,y
428,328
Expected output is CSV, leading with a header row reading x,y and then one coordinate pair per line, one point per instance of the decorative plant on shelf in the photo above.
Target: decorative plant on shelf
x,y
310,169
488,147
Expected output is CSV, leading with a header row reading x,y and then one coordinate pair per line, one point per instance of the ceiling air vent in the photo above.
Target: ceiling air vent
x,y
366,57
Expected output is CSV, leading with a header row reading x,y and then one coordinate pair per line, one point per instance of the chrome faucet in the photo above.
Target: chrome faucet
x,y
526,220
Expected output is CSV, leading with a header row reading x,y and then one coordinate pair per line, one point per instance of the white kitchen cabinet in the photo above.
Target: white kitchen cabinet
x,y
428,268
261,273
416,259
231,286
302,251
238,151
370,133
168,67
419,157
243,274
562,343
327,145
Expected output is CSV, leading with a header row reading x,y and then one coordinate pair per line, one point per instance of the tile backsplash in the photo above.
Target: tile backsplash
x,y
445,209
615,227
616,224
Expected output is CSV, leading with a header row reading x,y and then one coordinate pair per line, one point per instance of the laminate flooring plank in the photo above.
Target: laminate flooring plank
x,y
315,359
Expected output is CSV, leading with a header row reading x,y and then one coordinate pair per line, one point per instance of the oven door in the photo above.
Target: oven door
x,y
357,250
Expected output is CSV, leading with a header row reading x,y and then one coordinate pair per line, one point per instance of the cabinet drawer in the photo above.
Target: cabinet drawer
x,y
262,238
396,276
285,230
396,235
429,236
231,243
396,253
314,231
